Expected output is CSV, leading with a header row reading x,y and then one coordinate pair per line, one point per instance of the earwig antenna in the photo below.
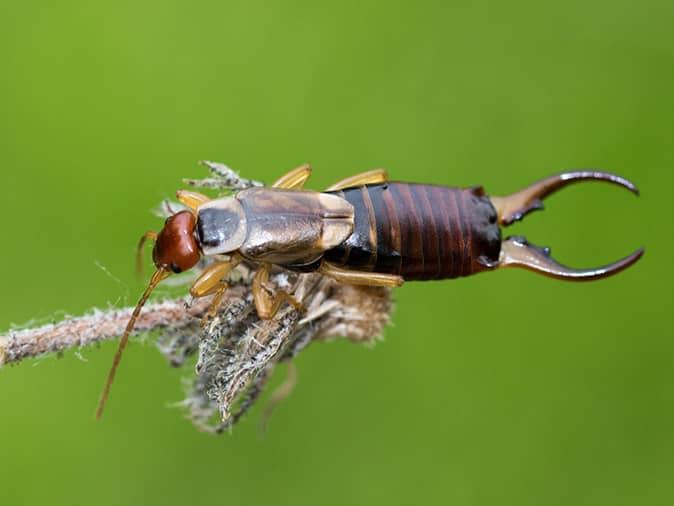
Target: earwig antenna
x,y
139,250
158,276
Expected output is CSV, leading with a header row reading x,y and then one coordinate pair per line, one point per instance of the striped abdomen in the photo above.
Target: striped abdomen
x,y
419,231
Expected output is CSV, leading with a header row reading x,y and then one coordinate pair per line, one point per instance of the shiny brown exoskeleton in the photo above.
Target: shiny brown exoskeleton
x,y
363,230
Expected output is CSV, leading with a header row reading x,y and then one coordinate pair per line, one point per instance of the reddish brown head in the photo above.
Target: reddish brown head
x,y
176,249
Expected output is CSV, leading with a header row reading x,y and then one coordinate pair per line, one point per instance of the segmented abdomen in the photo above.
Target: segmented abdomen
x,y
419,231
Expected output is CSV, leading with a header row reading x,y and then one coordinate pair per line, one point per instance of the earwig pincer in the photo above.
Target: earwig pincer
x,y
363,230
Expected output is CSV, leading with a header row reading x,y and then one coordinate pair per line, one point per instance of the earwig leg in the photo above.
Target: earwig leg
x,y
517,252
370,177
211,277
267,305
211,283
218,293
350,277
295,179
192,200
279,395
514,207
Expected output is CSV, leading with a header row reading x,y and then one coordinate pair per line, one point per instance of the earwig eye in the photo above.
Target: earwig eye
x,y
175,269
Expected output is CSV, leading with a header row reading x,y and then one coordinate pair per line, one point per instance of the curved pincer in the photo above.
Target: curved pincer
x,y
518,252
514,207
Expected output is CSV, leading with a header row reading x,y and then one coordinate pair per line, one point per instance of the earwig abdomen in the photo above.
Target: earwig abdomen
x,y
419,231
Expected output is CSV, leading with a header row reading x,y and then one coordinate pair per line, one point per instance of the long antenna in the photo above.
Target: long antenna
x,y
158,276
147,236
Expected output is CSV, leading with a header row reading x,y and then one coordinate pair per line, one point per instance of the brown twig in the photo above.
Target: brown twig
x,y
100,325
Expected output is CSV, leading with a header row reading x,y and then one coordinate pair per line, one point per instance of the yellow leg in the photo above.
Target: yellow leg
x,y
218,293
211,283
369,177
360,278
192,200
267,305
212,276
295,179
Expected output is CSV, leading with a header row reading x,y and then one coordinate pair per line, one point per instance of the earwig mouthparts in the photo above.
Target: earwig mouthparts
x,y
518,252
514,207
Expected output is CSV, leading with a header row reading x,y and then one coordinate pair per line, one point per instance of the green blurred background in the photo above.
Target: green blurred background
x,y
506,388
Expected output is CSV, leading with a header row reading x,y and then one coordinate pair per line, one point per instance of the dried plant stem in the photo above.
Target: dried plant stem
x,y
98,326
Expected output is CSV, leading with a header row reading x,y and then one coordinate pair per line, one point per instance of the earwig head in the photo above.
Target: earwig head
x,y
176,249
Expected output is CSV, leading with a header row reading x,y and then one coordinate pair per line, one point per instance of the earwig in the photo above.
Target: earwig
x,y
363,230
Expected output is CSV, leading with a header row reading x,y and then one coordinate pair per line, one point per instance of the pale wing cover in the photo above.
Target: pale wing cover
x,y
290,226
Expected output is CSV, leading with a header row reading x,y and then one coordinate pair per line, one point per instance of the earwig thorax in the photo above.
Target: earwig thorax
x,y
221,226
